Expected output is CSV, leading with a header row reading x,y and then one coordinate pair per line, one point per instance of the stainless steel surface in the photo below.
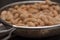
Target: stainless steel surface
x,y
34,31
4,31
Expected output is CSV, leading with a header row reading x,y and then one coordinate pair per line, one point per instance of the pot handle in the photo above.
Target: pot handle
x,y
9,35
11,30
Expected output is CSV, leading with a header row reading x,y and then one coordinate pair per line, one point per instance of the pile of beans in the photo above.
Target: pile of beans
x,y
37,14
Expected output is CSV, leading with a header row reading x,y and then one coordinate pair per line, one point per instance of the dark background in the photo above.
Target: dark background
x,y
5,2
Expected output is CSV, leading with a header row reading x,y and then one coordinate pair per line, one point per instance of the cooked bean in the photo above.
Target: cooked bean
x,y
36,14
30,24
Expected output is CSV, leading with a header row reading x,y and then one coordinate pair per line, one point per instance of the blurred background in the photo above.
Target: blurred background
x,y
5,2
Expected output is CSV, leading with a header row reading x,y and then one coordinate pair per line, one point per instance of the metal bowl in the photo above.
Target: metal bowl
x,y
41,31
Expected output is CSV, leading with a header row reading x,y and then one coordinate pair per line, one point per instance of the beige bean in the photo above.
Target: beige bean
x,y
51,20
9,15
12,10
41,22
56,7
44,6
55,13
30,24
16,15
44,18
32,10
48,1
30,20
20,24
24,16
3,15
15,21
16,6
